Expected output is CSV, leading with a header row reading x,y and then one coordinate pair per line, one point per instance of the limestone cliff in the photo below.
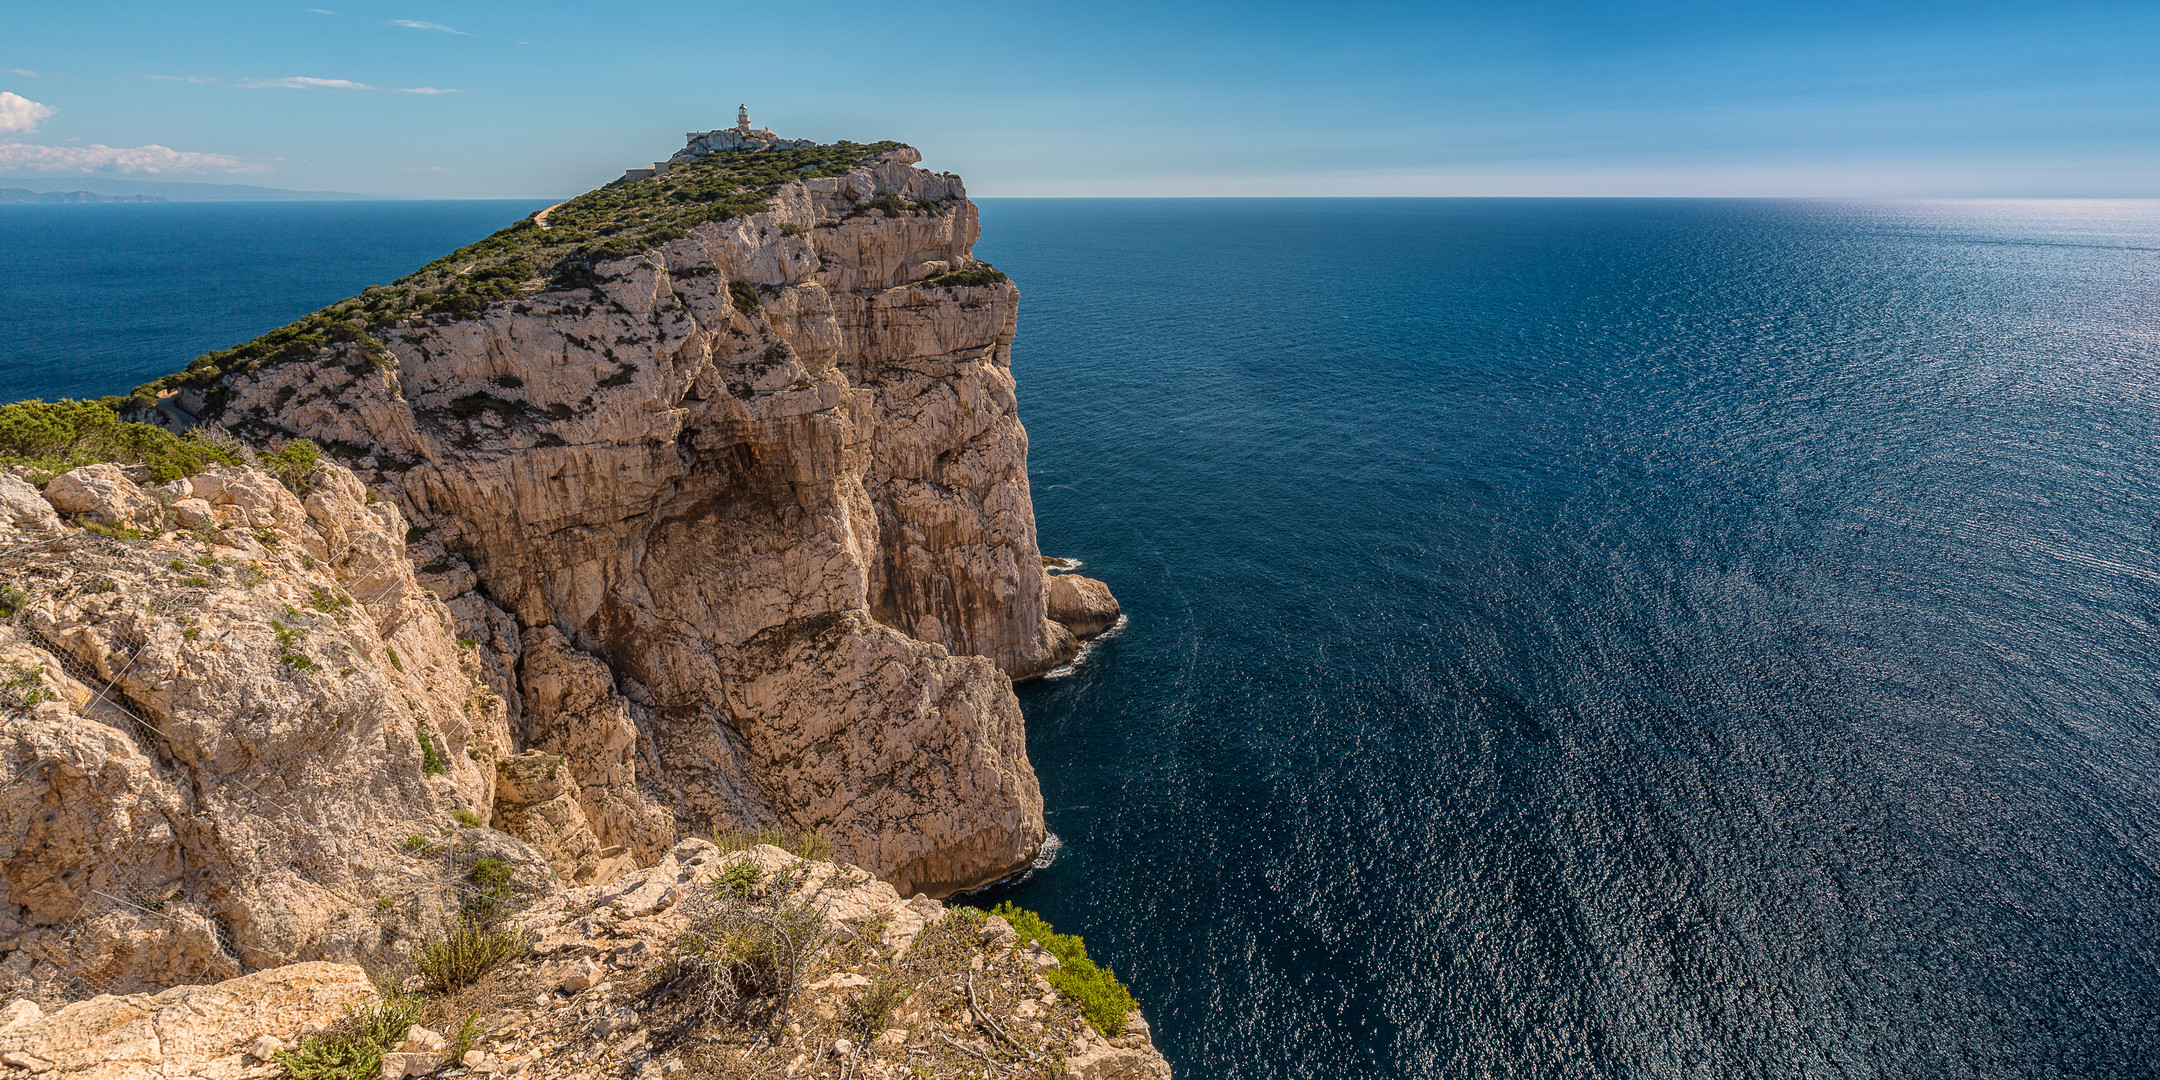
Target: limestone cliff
x,y
753,502
698,503
236,731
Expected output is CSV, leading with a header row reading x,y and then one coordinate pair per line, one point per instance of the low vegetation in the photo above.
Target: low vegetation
x,y
470,950
54,437
460,958
614,222
354,1049
489,889
803,844
294,463
979,274
22,686
741,961
1104,999
432,761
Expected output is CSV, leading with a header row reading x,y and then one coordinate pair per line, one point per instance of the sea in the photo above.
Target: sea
x,y
1565,638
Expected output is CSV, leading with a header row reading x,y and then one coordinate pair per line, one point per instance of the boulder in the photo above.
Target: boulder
x,y
1083,604
198,1032
104,494
23,510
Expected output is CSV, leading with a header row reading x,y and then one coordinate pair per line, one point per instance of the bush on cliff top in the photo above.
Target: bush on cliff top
x,y
979,274
614,222
53,437
1100,995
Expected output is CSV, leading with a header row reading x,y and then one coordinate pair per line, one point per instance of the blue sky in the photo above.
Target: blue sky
x,y
542,99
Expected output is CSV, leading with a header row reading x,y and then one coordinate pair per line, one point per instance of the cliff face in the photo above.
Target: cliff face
x,y
753,504
732,533
221,719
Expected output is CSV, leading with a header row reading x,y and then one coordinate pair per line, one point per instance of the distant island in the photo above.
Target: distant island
x,y
156,190
25,195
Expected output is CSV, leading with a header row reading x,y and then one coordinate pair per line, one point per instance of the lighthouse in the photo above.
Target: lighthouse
x,y
742,119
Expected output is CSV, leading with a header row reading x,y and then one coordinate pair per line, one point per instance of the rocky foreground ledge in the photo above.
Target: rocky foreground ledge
x,y
652,976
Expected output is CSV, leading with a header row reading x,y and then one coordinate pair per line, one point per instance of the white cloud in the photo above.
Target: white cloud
x,y
411,24
304,82
18,113
321,11
23,157
24,72
182,78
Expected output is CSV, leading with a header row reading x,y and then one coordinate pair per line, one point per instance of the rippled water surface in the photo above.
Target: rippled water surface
x,y
1568,639
1586,639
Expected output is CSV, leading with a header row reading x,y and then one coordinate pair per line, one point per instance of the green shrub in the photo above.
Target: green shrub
x,y
115,532
1099,994
746,297
490,878
11,601
22,686
872,1010
394,661
740,878
465,819
471,950
979,274
53,437
327,602
288,639
739,962
468,1036
890,203
415,844
293,463
353,1050
804,844
432,761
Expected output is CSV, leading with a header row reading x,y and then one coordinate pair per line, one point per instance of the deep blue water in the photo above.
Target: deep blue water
x,y
1606,638
98,298
1568,638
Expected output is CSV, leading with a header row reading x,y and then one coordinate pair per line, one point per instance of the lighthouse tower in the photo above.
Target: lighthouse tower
x,y
742,119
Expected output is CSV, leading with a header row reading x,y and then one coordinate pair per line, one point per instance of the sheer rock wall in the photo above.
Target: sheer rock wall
x,y
742,528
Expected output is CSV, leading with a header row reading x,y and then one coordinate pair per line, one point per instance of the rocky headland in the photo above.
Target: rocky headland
x,y
691,508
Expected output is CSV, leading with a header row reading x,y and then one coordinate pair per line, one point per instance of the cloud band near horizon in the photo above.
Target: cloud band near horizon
x,y
97,158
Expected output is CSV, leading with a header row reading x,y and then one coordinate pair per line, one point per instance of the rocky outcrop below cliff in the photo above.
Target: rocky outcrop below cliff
x,y
614,982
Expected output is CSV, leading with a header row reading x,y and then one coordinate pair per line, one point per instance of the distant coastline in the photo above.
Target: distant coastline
x,y
116,190
25,195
